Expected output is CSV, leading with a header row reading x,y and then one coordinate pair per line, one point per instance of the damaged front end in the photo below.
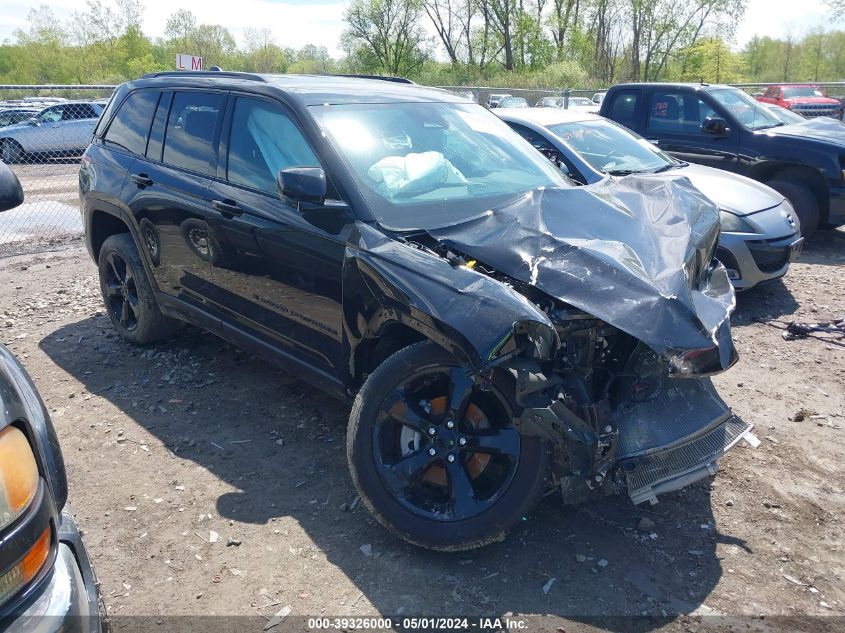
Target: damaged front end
x,y
647,433
641,310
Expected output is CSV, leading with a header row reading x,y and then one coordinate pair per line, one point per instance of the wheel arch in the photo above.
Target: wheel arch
x,y
390,303
104,224
373,351
7,139
806,175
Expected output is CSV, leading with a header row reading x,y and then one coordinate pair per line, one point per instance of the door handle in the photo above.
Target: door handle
x,y
228,208
142,180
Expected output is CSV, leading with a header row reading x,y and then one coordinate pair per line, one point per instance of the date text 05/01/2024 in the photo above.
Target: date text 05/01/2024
x,y
426,623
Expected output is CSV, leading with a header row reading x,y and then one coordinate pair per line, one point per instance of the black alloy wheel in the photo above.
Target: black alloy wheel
x,y
121,292
436,450
128,294
436,458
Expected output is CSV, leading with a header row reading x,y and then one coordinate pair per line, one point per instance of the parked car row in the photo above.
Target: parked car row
x,y
503,101
61,129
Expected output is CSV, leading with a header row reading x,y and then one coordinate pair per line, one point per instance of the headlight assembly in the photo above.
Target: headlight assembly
x,y
18,475
18,488
733,223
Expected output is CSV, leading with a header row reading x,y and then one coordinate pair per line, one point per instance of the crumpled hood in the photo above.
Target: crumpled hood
x,y
731,192
821,128
635,253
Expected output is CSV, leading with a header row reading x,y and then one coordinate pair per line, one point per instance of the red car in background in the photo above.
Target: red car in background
x,y
807,100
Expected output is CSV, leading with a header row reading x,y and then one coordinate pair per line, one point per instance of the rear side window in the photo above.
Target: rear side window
x,y
624,108
188,140
131,124
264,140
77,111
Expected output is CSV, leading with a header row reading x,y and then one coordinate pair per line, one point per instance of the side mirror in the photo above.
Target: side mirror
x,y
11,192
303,184
715,126
33,121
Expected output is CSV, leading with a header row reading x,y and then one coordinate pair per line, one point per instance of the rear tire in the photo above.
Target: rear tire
x,y
128,295
12,152
804,202
399,418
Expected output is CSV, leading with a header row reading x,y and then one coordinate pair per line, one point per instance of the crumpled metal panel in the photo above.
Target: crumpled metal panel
x,y
634,252
450,304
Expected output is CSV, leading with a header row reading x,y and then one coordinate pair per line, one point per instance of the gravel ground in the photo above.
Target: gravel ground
x,y
208,482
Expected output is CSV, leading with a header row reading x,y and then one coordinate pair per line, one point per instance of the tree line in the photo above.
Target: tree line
x,y
514,43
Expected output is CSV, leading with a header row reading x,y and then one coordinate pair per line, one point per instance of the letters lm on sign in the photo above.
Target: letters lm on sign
x,y
188,62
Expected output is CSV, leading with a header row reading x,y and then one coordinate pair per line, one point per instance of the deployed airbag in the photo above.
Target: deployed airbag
x,y
406,175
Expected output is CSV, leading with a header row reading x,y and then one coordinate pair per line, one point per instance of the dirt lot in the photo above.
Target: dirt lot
x,y
170,445
50,215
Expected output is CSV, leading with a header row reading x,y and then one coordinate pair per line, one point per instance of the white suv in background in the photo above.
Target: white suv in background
x,y
57,130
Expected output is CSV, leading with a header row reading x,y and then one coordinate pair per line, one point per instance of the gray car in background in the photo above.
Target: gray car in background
x,y
760,230
494,99
12,116
58,130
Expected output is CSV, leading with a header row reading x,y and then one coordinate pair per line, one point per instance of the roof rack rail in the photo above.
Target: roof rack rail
x,y
205,73
397,80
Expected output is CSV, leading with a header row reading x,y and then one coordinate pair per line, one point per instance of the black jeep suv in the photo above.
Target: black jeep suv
x,y
499,330
724,127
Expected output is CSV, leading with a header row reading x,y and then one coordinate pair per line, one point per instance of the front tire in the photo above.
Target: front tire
x,y
12,152
128,295
803,200
435,458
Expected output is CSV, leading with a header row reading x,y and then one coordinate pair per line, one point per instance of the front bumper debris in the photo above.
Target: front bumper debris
x,y
663,434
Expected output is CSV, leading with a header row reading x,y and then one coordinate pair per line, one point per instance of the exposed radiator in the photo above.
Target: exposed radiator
x,y
677,467
678,409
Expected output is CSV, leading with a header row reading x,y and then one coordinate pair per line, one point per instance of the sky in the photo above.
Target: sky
x,y
298,22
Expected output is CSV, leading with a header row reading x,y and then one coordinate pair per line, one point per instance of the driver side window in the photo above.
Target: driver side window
x,y
52,115
678,112
263,140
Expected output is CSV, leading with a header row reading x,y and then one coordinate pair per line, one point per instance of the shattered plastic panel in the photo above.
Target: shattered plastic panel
x,y
635,253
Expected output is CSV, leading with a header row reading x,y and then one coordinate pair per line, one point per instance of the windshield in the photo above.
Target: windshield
x,y
747,110
424,165
513,102
802,91
610,149
787,116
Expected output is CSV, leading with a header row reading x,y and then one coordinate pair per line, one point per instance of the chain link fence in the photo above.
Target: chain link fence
x,y
43,131
45,128
560,97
